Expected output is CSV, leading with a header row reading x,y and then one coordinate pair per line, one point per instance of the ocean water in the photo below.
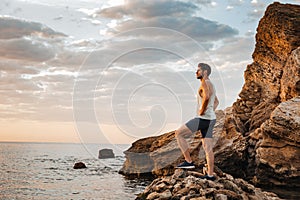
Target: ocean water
x,y
45,171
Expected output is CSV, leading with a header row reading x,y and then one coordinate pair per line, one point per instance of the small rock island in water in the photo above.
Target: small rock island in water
x,y
106,153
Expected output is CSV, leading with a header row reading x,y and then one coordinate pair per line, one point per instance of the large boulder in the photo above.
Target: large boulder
x,y
159,155
278,151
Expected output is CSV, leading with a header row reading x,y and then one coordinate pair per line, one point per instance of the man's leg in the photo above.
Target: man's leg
x,y
208,148
182,143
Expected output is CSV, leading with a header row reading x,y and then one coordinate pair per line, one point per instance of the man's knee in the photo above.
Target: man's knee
x,y
181,132
177,133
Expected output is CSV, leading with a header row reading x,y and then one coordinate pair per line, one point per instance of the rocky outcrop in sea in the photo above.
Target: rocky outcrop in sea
x,y
106,153
258,138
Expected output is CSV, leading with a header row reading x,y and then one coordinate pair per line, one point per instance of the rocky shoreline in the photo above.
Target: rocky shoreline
x,y
186,185
257,140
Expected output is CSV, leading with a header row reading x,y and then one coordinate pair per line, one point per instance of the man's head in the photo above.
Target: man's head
x,y
203,70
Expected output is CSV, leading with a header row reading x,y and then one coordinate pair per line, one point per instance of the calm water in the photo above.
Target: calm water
x,y
45,171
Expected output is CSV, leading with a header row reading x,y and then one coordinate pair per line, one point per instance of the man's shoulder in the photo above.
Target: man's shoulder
x,y
208,82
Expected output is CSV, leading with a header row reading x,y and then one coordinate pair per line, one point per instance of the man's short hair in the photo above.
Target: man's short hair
x,y
206,67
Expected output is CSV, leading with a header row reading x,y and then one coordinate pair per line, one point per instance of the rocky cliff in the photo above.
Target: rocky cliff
x,y
258,138
274,74
266,118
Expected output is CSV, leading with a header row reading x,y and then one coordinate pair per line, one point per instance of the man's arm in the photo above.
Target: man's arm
x,y
216,103
205,98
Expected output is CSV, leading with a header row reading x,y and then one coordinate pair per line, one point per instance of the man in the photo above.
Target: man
x,y
204,121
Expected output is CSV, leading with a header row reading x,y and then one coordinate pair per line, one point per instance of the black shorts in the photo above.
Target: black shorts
x,y
206,126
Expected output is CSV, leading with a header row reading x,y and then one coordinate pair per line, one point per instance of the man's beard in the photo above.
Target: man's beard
x,y
200,77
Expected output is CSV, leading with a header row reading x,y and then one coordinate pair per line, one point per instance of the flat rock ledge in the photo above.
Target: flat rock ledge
x,y
186,185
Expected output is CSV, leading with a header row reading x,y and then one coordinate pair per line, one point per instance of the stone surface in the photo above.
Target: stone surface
x,y
159,155
290,81
278,152
106,153
79,165
183,185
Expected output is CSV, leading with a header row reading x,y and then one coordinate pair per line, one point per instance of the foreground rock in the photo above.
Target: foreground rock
x,y
186,185
106,153
159,155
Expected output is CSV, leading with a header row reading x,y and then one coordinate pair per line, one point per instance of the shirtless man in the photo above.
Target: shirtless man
x,y
204,121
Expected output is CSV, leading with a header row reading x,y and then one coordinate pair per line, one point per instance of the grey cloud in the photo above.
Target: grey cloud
x,y
203,2
147,9
235,49
26,49
116,12
68,59
13,66
195,27
16,28
168,14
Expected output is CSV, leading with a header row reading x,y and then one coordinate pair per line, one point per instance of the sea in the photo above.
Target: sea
x,y
45,171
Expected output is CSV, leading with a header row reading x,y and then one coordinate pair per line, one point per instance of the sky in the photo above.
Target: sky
x,y
87,71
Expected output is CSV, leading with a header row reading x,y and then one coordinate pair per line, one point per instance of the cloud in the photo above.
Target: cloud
x,y
149,9
28,94
26,49
31,86
28,41
234,50
174,15
203,2
40,67
16,28
195,27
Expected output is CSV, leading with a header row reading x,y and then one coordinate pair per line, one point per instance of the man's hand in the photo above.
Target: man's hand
x,y
201,112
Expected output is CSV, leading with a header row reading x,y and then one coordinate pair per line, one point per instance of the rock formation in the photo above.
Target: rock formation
x,y
106,153
258,138
158,155
274,73
263,126
186,185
